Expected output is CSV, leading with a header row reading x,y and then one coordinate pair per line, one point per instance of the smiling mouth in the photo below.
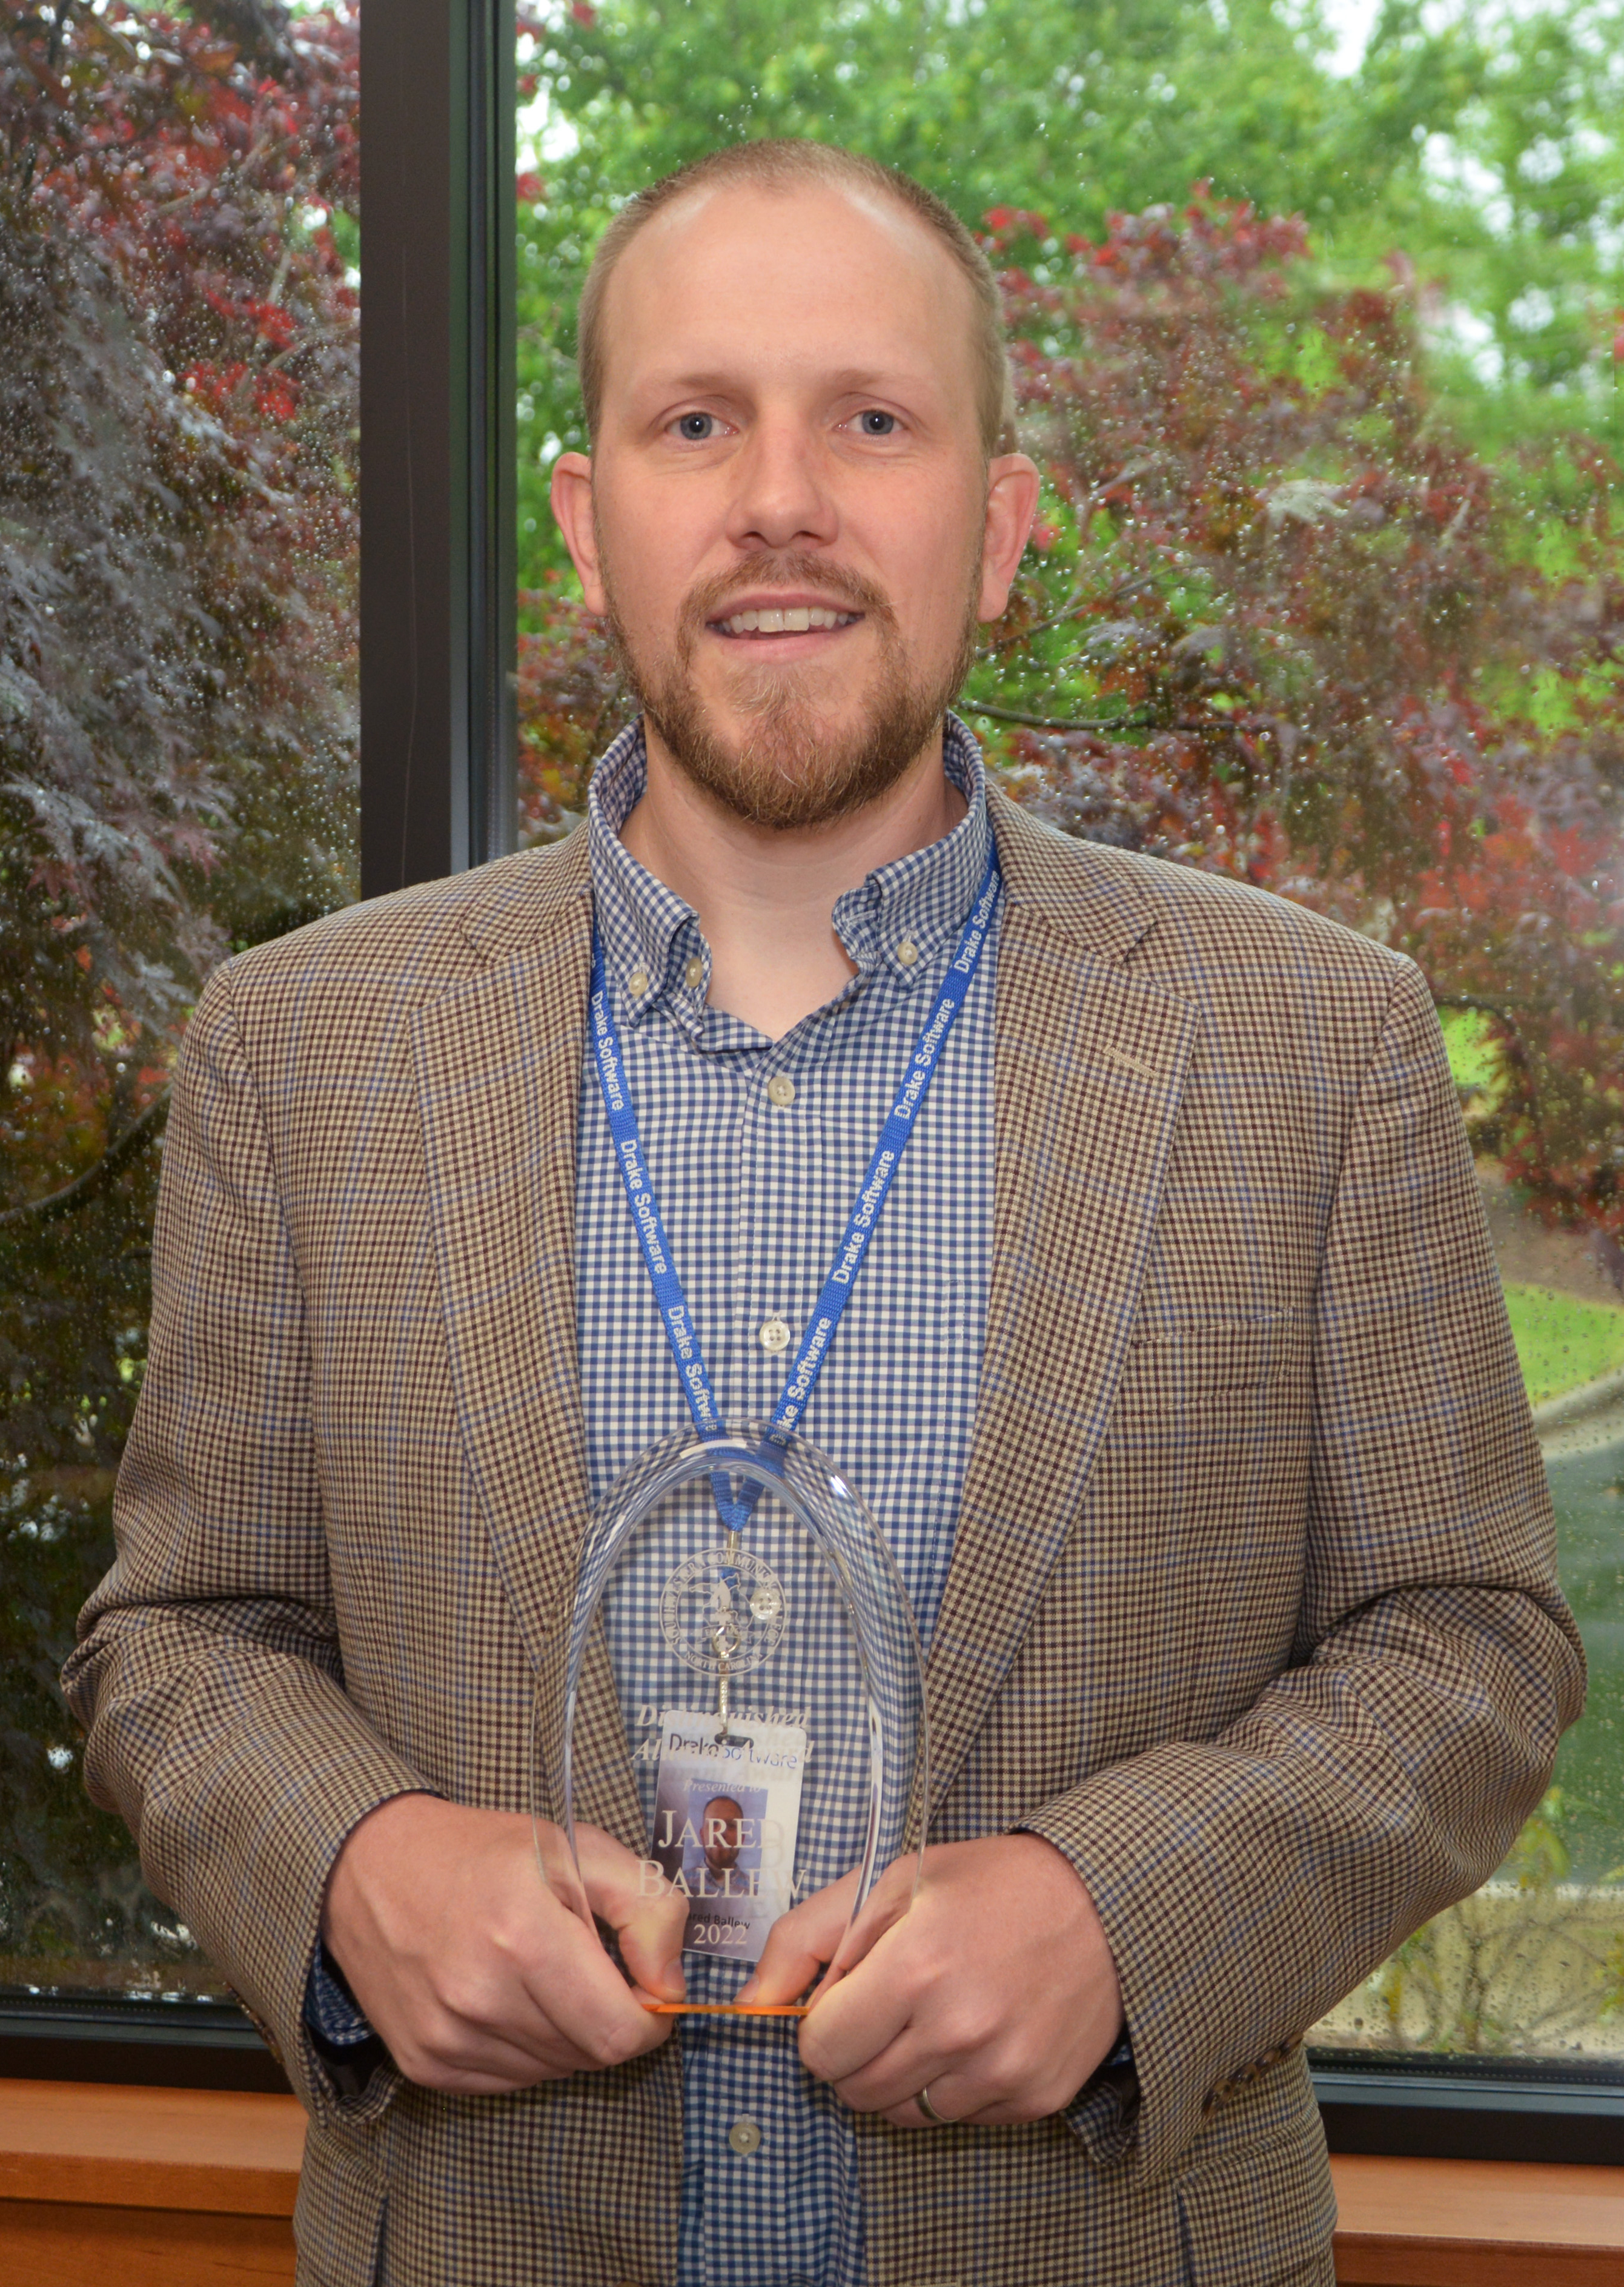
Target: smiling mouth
x,y
784,620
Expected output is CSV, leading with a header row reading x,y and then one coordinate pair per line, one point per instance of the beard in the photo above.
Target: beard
x,y
792,765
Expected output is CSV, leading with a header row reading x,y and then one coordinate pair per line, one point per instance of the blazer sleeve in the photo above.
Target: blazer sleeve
x,y
207,1671
1247,1882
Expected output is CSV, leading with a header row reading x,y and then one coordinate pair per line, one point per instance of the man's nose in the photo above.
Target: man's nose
x,y
781,498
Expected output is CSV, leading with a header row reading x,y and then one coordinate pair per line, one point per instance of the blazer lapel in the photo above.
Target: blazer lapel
x,y
1090,1065
498,1070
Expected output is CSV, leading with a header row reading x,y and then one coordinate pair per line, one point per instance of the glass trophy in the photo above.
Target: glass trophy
x,y
761,1637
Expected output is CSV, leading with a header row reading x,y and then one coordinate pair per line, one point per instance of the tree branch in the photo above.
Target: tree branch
x,y
1134,718
97,1175
1475,1000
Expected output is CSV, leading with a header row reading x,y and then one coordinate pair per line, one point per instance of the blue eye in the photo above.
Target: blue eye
x,y
875,424
695,427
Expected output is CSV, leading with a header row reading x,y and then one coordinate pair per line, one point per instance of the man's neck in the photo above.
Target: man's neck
x,y
766,898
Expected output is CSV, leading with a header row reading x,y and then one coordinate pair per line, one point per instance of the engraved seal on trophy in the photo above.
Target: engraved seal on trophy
x,y
723,1611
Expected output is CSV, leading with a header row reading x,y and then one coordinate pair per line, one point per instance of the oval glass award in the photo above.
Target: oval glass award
x,y
760,1635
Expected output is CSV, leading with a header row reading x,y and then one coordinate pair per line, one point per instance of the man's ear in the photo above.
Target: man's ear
x,y
572,506
1012,485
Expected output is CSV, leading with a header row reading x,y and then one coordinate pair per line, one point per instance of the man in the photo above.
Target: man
x,y
721,1833
1177,1377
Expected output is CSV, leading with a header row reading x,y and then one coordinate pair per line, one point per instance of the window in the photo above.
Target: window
x,y
1324,595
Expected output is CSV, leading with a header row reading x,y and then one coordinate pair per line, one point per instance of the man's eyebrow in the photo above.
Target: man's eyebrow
x,y
718,379
679,385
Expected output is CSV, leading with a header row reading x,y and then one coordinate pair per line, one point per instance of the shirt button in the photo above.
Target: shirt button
x,y
745,2137
694,975
907,953
638,982
781,1088
774,1337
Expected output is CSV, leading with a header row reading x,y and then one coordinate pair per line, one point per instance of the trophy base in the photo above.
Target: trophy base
x,y
725,2009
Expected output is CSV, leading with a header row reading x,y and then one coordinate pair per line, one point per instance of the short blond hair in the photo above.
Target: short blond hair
x,y
781,163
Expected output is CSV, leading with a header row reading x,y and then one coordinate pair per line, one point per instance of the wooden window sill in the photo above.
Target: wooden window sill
x,y
1477,2223
191,2188
150,2186
209,2150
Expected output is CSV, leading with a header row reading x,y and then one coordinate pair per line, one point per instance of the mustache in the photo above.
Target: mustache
x,y
844,589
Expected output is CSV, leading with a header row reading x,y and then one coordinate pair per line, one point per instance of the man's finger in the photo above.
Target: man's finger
x,y
953,2108
459,2056
858,2017
892,2080
586,1999
616,1880
890,1899
651,1946
646,1914
800,1946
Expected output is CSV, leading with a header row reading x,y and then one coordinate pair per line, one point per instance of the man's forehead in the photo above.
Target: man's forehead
x,y
712,211
726,261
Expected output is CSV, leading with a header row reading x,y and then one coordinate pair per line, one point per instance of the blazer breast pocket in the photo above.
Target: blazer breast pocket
x,y
1214,1365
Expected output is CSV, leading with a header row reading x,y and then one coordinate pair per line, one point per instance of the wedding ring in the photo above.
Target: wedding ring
x,y
937,2119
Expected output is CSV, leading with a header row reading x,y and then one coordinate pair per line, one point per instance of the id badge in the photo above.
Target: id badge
x,y
727,1803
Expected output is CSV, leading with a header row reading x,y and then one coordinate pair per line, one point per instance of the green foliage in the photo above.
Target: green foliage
x,y
1472,1039
1283,621
1541,1858
1562,1343
1538,171
1531,1964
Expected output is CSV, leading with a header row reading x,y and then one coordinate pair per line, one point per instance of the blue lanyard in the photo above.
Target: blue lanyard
x,y
675,1314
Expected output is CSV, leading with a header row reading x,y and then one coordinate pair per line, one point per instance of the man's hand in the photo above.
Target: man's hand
x,y
476,1974
995,1990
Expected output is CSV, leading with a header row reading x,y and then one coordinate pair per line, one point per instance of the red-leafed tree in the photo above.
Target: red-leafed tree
x,y
178,558
1362,667
177,402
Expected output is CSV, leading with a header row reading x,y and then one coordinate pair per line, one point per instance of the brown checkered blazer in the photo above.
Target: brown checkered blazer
x,y
1251,1611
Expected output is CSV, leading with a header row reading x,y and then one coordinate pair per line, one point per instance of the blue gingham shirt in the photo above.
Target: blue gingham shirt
x,y
754,1193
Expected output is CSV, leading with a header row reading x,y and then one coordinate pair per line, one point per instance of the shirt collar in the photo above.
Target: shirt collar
x,y
891,925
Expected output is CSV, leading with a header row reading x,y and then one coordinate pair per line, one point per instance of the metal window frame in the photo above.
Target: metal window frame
x,y
438,508
437,771
1451,2107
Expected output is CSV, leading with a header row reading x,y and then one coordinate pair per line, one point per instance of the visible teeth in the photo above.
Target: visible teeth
x,y
792,619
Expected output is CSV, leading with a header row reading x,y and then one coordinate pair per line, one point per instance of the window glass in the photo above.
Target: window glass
x,y
1317,331
179,358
